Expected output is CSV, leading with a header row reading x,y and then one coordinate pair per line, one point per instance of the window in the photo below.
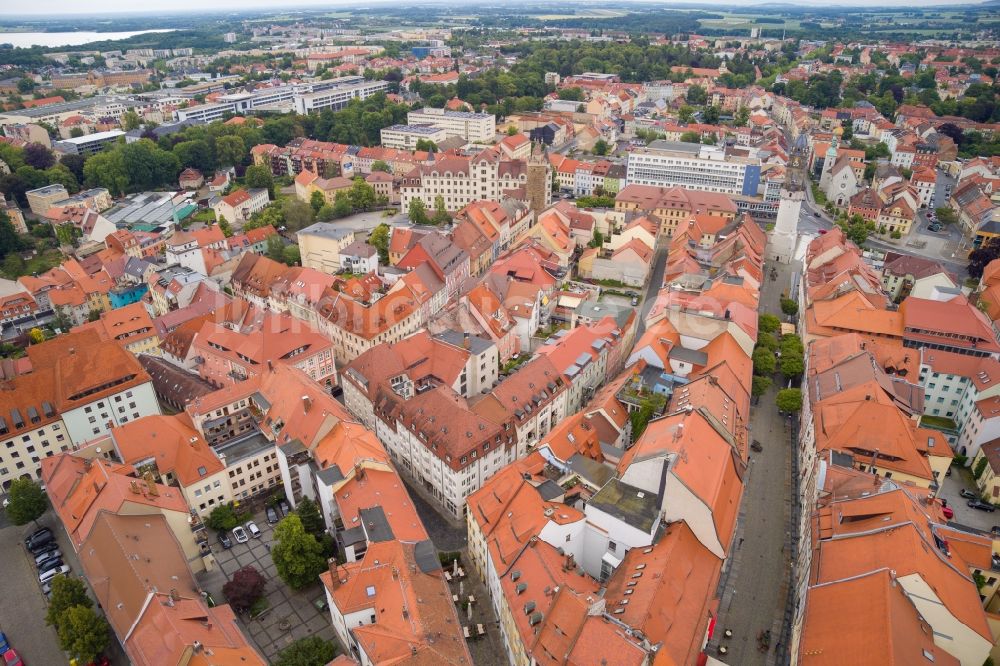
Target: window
x,y
612,547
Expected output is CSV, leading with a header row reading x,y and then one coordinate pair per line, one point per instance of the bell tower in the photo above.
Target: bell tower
x,y
785,236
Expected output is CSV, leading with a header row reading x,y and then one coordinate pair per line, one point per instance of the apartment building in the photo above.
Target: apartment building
x,y
673,206
693,166
240,205
320,245
462,180
139,533
355,326
79,388
467,364
473,127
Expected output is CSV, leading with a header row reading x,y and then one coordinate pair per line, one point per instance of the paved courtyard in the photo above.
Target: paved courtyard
x,y
961,478
290,615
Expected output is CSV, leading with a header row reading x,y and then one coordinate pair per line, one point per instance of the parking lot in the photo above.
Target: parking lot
x,y
22,604
290,615
962,478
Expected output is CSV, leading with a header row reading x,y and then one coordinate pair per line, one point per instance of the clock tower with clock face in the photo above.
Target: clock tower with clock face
x,y
785,236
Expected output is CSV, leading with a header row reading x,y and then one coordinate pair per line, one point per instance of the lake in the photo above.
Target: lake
x,y
53,39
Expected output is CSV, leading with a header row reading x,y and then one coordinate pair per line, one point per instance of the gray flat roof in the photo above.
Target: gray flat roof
x,y
632,505
376,524
326,230
244,447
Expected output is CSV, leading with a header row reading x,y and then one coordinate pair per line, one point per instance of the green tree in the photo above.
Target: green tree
x,y
25,85
379,239
648,407
597,240
601,147
259,176
223,518
763,362
759,386
417,212
792,365
685,114
574,94
312,522
362,195
768,323
710,115
291,255
980,467
230,150
380,165
308,651
511,131
76,132
789,306
9,240
36,336
225,227
196,153
426,145
67,592
342,205
789,400
27,501
441,215
275,250
767,341
691,137
131,121
13,266
316,200
297,214
83,633
298,556
326,213
742,117
946,215
696,95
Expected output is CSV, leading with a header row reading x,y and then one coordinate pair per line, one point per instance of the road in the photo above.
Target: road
x,y
653,286
754,588
943,247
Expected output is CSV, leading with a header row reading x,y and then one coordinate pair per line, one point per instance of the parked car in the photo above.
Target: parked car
x,y
46,576
635,301
11,658
995,529
38,536
285,509
934,227
226,542
253,529
240,534
43,552
41,561
818,215
272,515
968,494
3,643
50,564
948,512
37,546
981,505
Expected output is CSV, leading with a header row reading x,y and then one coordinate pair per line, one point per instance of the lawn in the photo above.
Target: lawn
x,y
938,422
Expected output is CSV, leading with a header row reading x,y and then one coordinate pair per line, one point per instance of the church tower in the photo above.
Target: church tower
x,y
539,186
785,236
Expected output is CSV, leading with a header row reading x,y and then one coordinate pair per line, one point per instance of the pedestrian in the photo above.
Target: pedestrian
x,y
268,546
740,544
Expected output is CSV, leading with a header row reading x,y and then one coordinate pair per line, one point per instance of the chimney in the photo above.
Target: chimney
x,y
87,464
174,594
306,404
465,340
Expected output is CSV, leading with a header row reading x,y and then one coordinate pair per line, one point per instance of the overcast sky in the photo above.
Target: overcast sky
x,y
64,7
